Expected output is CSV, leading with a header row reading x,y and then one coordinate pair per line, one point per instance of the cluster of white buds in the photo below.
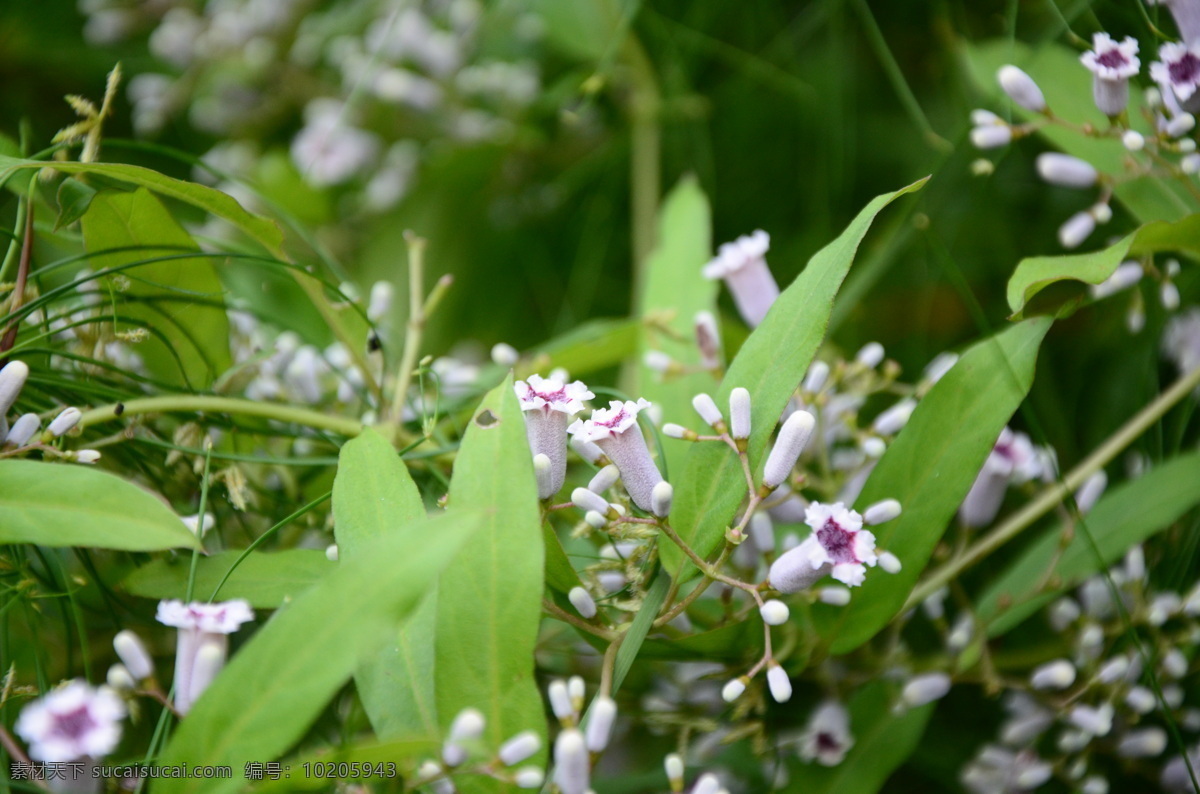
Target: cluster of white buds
x,y
548,405
203,642
614,430
25,429
463,741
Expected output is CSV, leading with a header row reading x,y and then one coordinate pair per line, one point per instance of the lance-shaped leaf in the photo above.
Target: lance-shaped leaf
x,y
930,467
54,504
373,497
771,365
490,597
280,681
266,579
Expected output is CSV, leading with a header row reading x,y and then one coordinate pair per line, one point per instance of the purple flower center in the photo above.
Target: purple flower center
x,y
827,742
559,396
1112,59
837,541
613,421
74,724
1185,70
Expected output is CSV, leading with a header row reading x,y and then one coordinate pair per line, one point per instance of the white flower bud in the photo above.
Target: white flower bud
x,y
1190,164
660,499
611,581
707,409
1090,492
981,117
587,500
1140,699
23,430
1058,674
1143,743
873,447
1152,97
1076,229
1033,776
1021,88
1174,663
673,765
1094,784
774,612
86,456
380,302
894,419
762,532
209,661
657,361
1101,213
595,520
707,784
1180,125
577,691
870,355
560,700
519,747
778,683
543,471
739,413
1133,140
1169,295
942,363
601,718
733,690
881,512
1063,613
505,355
1072,741
961,633
133,654
1135,566
572,766
1172,695
604,479
1066,171
64,421
834,595
925,688
582,601
814,380
991,136
468,725
889,562
672,430
530,777
12,379
120,679
793,438
708,339
586,450
1096,721
1125,276
1113,670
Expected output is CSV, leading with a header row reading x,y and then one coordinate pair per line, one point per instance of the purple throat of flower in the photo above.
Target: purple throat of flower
x,y
74,724
614,421
827,741
838,542
554,397
1185,70
1112,59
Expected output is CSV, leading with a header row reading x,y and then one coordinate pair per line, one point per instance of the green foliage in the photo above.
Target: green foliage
x,y
771,365
276,684
74,505
266,579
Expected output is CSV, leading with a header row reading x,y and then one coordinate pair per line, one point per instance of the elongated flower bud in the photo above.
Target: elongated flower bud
x,y
133,654
468,725
85,455
530,777
708,340
12,379
1143,743
519,747
1180,125
762,532
615,430
889,562
1021,88
660,499
582,602
871,355
774,612
708,410
672,430
779,684
925,688
120,679
1066,171
572,766
505,355
894,419
673,765
881,512
739,413
560,702
586,450
1096,721
595,520
543,471
587,500
733,690
604,479
64,422
1090,492
24,429
991,136
1076,229
793,438
814,379
834,596
576,690
601,718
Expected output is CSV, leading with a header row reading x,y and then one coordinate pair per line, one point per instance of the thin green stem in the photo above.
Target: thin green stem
x,y
1048,499
645,155
416,323
195,403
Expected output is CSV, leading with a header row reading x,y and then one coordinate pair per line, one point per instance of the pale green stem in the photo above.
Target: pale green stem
x,y
196,403
644,156
416,323
1048,499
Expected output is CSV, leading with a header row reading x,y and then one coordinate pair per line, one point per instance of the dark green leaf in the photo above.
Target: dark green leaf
x,y
74,198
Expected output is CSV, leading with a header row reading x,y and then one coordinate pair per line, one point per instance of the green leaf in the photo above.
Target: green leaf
x,y
278,682
930,467
266,579
1068,90
771,365
490,598
264,230
1124,517
194,349
672,292
403,752
374,496
1035,273
882,742
635,635
74,198
560,574
67,505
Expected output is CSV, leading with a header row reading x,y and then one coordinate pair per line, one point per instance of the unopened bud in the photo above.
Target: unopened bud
x,y
64,422
1090,492
1143,743
543,471
672,430
530,777
586,450
331,552
793,438
582,601
870,355
604,479
1021,88
834,596
673,765
881,512
1168,293
133,654
708,783
762,532
1066,171
12,379
708,410
660,499
774,612
120,678
595,520
1180,125
23,430
86,456
505,355
1058,674
1076,229
889,562
814,379
708,339
560,701
572,766
733,690
1133,140
587,500
601,718
991,136
925,688
577,691
467,726
1096,721
779,684
894,419
739,413
657,361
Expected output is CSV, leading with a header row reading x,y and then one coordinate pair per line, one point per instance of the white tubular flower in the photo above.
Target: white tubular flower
x,y
814,379
547,406
733,690
673,766
12,380
1143,743
1066,171
1012,458
133,654
991,136
708,340
924,689
1125,276
870,355
72,722
1178,70
530,777
1096,721
1112,65
894,419
743,265
826,739
889,562
739,413
1021,88
660,499
601,718
572,767
1058,674
583,603
793,438
587,450
1090,492
200,626
519,747
64,422
1181,340
615,430
881,512
708,410
778,683
838,540
604,479
560,701
587,500
22,430
774,612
